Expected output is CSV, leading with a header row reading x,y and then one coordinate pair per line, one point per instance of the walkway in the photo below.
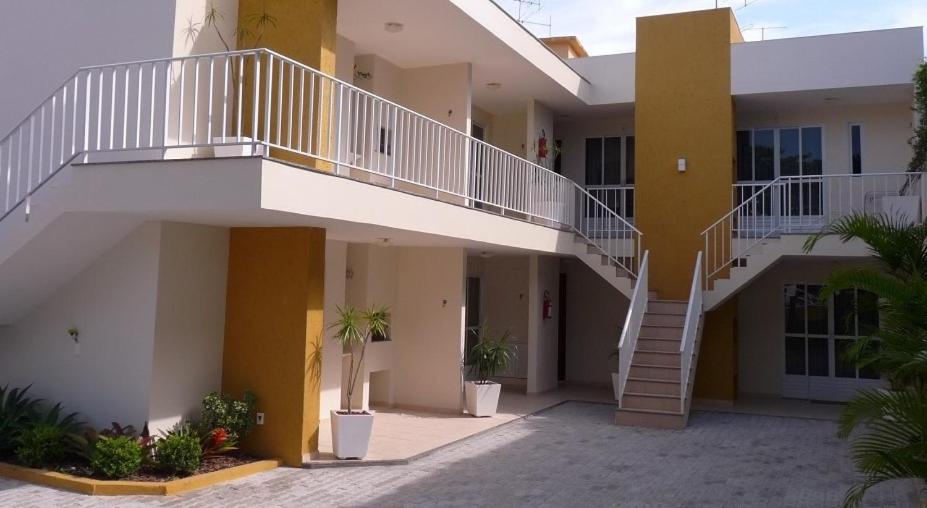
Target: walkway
x,y
571,455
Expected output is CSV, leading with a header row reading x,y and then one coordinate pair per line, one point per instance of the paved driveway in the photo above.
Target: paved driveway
x,y
569,455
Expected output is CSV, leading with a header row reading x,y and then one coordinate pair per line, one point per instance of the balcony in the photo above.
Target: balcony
x,y
258,103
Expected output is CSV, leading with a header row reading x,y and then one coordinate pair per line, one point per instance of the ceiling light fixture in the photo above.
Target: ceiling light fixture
x,y
493,85
393,27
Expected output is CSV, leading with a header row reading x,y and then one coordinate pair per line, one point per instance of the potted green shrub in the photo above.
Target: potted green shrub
x,y
351,427
485,359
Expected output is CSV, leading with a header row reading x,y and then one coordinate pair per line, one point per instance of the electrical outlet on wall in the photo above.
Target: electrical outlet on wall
x,y
260,418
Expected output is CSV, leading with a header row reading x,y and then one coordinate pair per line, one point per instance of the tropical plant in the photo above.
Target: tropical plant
x,y
41,444
893,444
85,443
116,457
354,330
894,440
179,450
216,442
489,355
220,410
16,411
250,33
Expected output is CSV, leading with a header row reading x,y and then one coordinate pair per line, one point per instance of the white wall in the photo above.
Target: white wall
x,y
190,321
886,129
45,41
595,317
428,323
191,38
504,306
345,51
113,304
611,77
330,378
761,322
543,277
540,122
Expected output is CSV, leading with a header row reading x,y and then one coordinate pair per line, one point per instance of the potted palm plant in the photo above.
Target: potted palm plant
x,y
485,359
351,427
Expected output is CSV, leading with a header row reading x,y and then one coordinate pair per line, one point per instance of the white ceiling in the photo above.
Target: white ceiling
x,y
833,97
437,32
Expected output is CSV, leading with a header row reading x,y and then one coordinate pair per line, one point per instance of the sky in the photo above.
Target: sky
x,y
607,26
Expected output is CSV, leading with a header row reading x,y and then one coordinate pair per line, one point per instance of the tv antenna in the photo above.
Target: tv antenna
x,y
527,9
763,29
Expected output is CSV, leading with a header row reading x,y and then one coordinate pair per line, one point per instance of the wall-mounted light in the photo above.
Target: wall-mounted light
x,y
681,165
74,333
393,27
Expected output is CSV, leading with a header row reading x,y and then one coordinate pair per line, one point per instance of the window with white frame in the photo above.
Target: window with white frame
x,y
764,154
856,148
610,172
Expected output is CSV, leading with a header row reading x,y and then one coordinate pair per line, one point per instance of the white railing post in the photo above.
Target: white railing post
x,y
690,331
632,327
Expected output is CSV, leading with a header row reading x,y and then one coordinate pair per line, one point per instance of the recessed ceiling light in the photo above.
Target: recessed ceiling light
x,y
493,85
393,27
830,99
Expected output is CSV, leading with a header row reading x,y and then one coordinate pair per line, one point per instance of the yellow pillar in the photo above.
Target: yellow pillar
x,y
684,110
305,31
273,330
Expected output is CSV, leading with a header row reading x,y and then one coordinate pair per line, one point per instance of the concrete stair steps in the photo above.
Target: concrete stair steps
x,y
666,372
666,307
661,332
666,320
634,400
658,344
662,358
650,418
653,386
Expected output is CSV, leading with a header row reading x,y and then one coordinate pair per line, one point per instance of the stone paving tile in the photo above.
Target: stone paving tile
x,y
570,455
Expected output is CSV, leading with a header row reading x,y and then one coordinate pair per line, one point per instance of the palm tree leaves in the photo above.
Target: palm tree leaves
x,y
894,440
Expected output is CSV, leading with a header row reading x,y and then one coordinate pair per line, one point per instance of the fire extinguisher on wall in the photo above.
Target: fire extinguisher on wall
x,y
548,305
542,145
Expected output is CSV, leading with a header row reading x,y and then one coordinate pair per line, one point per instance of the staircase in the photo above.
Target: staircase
x,y
609,269
657,356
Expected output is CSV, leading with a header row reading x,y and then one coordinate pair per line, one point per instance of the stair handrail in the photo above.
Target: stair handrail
x,y
694,311
621,242
720,248
632,327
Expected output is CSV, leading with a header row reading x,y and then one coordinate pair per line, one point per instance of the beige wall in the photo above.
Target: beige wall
x,y
441,92
504,305
595,317
190,321
191,38
509,132
761,322
540,120
543,277
428,327
335,281
886,129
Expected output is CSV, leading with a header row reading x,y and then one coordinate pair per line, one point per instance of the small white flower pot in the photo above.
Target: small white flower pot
x,y
351,434
616,385
482,399
245,149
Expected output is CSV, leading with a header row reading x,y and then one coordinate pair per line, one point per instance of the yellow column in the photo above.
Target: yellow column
x,y
684,110
273,330
305,31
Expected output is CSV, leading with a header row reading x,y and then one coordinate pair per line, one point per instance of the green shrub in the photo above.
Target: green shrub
x,y
116,457
220,411
41,445
179,451
16,412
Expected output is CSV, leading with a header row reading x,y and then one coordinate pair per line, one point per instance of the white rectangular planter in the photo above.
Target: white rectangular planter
x,y
245,149
351,434
615,385
482,399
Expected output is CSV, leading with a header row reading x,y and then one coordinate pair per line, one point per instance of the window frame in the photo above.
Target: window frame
x,y
776,150
624,177
853,168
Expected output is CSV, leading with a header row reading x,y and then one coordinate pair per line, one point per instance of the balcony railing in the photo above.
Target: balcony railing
x,y
805,205
258,102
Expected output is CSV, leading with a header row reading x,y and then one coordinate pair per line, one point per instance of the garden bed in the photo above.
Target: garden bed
x,y
145,482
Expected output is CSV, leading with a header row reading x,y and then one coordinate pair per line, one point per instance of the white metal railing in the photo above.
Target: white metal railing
x,y
263,103
690,331
618,198
804,205
632,327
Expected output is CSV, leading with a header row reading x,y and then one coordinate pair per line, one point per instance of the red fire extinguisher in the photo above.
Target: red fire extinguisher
x,y
542,145
548,306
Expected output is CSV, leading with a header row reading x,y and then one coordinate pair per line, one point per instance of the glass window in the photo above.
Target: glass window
x,y
764,155
818,356
629,160
842,366
856,149
795,356
744,156
612,161
817,311
812,151
789,164
845,313
794,308
868,371
867,309
593,161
